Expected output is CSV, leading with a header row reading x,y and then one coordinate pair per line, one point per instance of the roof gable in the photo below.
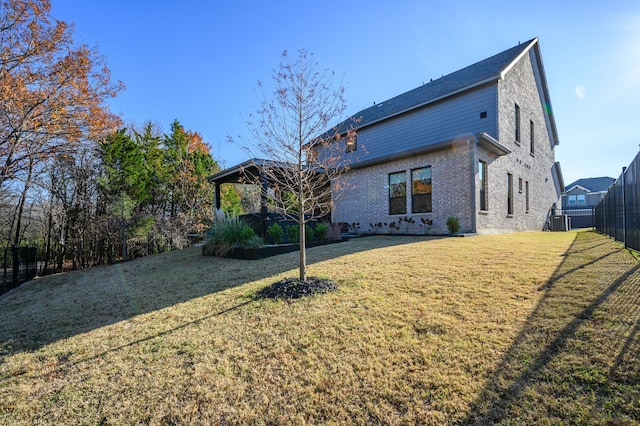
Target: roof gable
x,y
487,70
599,184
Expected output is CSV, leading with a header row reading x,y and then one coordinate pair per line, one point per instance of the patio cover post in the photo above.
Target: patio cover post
x,y
216,187
263,193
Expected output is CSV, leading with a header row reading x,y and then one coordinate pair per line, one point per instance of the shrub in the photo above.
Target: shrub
x,y
293,233
453,224
309,233
227,233
322,231
276,233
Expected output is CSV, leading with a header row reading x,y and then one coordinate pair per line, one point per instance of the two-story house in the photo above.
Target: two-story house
x,y
477,144
581,197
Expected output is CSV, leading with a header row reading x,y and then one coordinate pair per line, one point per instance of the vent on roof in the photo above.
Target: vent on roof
x,y
483,114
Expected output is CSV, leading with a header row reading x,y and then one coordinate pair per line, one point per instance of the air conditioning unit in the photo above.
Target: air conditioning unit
x,y
560,223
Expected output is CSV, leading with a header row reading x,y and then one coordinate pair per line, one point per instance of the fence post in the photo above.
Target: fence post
x,y
16,264
624,209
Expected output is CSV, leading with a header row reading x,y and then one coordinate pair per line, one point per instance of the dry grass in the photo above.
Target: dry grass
x,y
524,328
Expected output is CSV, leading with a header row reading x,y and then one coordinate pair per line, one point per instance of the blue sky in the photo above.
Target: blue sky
x,y
199,61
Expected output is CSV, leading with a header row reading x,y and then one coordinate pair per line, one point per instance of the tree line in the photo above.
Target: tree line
x,y
73,180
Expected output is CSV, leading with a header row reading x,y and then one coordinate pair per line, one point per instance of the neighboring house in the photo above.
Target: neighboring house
x,y
477,144
581,197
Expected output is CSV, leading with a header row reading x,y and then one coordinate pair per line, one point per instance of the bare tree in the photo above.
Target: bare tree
x,y
295,129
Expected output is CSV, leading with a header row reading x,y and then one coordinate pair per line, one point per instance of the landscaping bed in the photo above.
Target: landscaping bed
x,y
254,253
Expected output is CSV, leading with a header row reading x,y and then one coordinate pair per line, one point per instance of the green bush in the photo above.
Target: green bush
x,y
227,233
322,231
453,224
309,233
276,233
293,233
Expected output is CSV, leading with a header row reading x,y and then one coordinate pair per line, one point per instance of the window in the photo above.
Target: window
x,y
572,200
581,199
532,137
517,124
484,185
398,193
526,196
421,190
519,185
509,194
352,141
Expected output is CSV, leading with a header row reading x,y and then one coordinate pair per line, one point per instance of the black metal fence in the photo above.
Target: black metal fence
x,y
581,218
20,264
618,214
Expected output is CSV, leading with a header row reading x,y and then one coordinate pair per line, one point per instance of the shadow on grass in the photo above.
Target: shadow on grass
x,y
57,307
565,362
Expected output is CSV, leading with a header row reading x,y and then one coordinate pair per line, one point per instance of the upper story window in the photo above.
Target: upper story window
x,y
352,141
421,190
509,194
574,200
517,123
398,193
532,137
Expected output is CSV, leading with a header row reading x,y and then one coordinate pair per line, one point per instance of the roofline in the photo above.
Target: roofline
x,y
556,166
517,58
492,144
588,190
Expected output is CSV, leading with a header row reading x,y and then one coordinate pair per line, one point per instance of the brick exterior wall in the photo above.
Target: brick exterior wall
x,y
362,195
519,87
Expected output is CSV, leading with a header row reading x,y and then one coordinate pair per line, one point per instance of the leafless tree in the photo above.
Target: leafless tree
x,y
296,131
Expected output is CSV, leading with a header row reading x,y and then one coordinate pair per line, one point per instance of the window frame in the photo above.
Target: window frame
x,y
509,194
532,139
517,123
402,189
351,141
429,203
484,185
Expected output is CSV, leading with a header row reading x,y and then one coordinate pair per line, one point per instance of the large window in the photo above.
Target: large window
x,y
517,123
398,193
484,185
509,194
421,190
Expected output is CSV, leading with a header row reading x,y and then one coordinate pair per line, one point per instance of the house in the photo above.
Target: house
x,y
477,144
581,197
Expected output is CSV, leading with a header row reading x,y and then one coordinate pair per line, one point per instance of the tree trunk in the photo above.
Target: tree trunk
x,y
303,246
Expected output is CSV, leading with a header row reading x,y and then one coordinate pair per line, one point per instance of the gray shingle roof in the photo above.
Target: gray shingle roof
x,y
599,184
470,76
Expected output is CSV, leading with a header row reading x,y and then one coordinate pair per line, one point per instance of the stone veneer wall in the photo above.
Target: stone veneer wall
x,y
519,87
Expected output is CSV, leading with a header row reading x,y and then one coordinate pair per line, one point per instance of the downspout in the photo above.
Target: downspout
x,y
473,144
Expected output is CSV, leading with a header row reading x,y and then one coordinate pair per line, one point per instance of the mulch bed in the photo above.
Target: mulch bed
x,y
293,288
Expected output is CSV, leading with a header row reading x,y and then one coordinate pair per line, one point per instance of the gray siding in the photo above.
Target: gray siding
x,y
447,120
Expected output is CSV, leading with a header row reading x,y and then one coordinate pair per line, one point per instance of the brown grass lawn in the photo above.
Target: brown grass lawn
x,y
524,328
